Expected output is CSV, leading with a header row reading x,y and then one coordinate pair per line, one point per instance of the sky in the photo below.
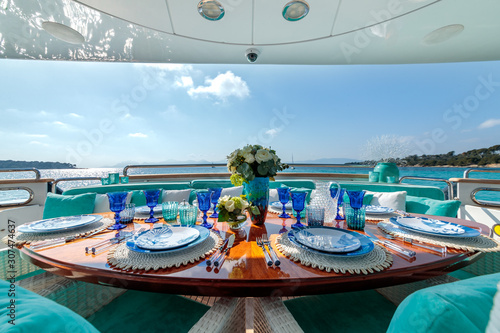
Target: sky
x,y
106,114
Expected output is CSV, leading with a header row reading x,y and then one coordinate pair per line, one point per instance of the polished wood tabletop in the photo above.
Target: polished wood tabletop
x,y
245,273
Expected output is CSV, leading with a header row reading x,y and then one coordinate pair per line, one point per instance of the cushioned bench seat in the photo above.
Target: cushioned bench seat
x,y
430,192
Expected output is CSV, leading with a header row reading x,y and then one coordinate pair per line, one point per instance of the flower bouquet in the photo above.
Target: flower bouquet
x,y
253,161
232,210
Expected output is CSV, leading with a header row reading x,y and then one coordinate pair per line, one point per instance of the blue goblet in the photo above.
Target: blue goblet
x,y
117,202
151,202
204,205
340,200
216,191
298,201
284,196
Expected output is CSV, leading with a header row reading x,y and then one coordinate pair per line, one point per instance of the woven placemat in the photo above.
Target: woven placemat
x,y
123,258
375,261
480,243
21,238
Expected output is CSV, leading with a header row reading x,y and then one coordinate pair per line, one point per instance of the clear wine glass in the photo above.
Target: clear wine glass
x,y
216,191
151,201
284,196
340,200
204,205
298,202
117,202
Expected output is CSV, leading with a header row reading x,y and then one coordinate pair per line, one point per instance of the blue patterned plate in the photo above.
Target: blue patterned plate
x,y
279,205
144,210
59,224
204,233
371,209
166,238
365,247
328,240
434,227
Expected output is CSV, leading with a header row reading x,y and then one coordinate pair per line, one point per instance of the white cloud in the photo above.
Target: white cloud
x,y
184,82
273,132
75,115
138,135
172,113
490,123
222,86
38,135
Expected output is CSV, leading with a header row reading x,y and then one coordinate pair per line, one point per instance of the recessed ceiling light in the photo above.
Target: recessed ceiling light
x,y
295,10
211,10
63,32
443,34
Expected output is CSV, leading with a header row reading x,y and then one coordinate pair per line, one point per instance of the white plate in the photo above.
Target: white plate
x,y
328,240
431,226
162,239
144,210
371,209
59,223
279,205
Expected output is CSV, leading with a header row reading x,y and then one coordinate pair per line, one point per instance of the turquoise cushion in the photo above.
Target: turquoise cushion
x,y
34,313
430,192
432,207
303,189
138,198
462,306
293,183
66,205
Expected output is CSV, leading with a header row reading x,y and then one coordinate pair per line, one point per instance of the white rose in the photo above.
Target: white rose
x,y
233,155
229,206
263,155
246,150
275,158
244,204
249,158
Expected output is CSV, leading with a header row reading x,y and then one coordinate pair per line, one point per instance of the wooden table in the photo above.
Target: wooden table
x,y
245,273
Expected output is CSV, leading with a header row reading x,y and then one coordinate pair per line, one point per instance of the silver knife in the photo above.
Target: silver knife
x,y
219,261
392,246
217,253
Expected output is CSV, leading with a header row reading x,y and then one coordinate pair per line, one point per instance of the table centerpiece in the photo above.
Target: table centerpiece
x,y
253,166
232,210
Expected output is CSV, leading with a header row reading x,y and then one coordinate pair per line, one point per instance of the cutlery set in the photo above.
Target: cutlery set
x,y
218,258
263,242
106,244
62,240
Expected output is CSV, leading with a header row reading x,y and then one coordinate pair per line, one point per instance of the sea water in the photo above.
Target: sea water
x,y
431,172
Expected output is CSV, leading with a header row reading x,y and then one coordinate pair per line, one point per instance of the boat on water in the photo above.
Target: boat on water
x,y
244,32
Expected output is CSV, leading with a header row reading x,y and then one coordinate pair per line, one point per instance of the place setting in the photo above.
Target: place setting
x,y
164,246
330,248
437,232
59,230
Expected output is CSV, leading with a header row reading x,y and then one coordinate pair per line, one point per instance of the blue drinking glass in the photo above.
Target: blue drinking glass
x,y
117,202
204,205
340,200
216,191
298,201
284,195
151,200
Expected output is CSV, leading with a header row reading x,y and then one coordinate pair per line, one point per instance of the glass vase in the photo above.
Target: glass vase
x,y
321,197
257,192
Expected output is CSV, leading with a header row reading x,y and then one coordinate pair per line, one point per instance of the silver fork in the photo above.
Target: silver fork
x,y
269,262
99,249
267,242
439,249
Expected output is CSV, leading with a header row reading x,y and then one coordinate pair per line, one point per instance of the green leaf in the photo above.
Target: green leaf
x,y
255,210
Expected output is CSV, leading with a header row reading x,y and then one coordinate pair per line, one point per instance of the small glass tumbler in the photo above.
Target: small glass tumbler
x,y
355,217
373,176
114,178
188,215
169,210
124,180
105,180
315,216
127,215
392,179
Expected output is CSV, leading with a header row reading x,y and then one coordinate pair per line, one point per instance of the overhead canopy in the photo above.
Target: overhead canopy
x,y
173,31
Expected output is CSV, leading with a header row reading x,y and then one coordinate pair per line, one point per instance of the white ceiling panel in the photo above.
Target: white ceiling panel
x,y
318,23
234,27
148,13
355,14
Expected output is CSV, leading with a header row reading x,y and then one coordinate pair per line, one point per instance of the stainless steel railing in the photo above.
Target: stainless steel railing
x,y
484,203
19,188
451,192
468,171
209,165
36,171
